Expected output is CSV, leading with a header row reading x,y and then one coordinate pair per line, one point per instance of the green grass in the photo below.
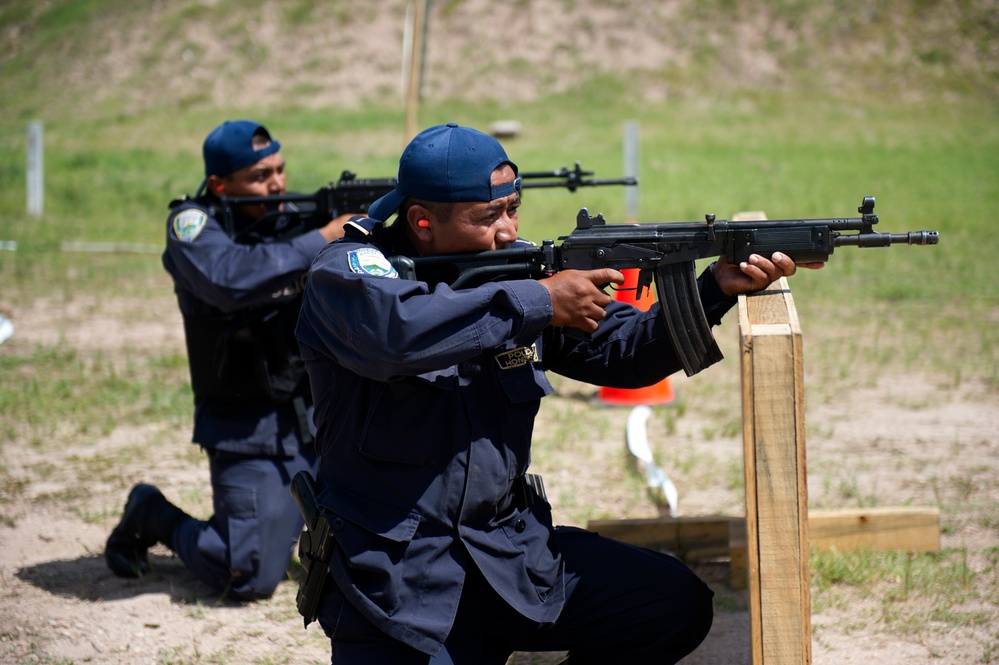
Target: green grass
x,y
931,166
54,394
958,595
928,167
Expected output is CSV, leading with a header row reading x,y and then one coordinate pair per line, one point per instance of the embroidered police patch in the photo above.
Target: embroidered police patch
x,y
518,357
188,224
369,261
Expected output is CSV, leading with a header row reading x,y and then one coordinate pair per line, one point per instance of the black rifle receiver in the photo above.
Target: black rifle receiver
x,y
305,212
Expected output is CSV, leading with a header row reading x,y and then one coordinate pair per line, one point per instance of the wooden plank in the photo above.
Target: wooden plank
x,y
752,498
760,312
776,494
738,549
912,529
690,538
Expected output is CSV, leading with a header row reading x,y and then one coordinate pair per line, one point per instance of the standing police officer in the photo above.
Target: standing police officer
x,y
444,549
239,287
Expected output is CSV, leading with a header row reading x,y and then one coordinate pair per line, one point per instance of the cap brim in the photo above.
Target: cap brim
x,y
386,206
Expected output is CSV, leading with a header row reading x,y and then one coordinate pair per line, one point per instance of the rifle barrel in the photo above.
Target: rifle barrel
x,y
276,198
887,239
573,184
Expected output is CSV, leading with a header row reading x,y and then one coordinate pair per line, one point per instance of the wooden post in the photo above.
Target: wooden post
x,y
415,55
776,493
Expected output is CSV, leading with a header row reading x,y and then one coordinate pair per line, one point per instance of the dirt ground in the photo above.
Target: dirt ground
x,y
899,441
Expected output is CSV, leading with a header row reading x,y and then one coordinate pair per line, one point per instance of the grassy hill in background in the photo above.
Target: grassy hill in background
x,y
109,57
799,108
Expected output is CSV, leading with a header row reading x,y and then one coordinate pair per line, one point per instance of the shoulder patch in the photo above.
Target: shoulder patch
x,y
187,225
369,261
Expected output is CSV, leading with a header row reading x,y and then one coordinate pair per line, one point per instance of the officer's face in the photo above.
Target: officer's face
x,y
473,227
265,178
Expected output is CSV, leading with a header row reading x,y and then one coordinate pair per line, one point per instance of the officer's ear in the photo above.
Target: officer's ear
x,y
420,223
215,185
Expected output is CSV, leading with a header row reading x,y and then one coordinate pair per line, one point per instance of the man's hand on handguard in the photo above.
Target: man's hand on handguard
x,y
756,274
334,228
578,300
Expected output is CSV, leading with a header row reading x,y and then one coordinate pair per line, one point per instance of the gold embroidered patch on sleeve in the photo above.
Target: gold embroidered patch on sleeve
x,y
518,357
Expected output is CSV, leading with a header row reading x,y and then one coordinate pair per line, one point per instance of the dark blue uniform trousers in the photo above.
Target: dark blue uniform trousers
x,y
244,549
624,604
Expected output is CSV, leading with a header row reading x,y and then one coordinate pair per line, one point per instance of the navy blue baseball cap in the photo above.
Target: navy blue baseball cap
x,y
229,147
448,164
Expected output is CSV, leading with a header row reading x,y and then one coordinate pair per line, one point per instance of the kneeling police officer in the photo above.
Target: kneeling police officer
x,y
239,287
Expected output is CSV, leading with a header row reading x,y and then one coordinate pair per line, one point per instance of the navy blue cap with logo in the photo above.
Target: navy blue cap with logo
x,y
447,164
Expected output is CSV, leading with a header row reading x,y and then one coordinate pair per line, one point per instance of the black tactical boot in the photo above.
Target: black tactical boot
x,y
148,518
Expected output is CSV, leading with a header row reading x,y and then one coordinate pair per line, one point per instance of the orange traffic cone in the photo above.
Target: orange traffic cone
x,y
659,393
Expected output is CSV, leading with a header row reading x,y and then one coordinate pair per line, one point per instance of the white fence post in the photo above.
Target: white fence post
x,y
36,169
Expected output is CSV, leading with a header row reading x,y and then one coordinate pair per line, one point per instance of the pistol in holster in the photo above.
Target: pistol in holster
x,y
315,546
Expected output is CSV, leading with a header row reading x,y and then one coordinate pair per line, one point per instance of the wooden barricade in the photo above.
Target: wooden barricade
x,y
713,537
776,490
769,548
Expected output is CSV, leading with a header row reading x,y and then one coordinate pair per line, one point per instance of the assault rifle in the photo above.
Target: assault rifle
x,y
305,212
571,180
351,194
665,253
